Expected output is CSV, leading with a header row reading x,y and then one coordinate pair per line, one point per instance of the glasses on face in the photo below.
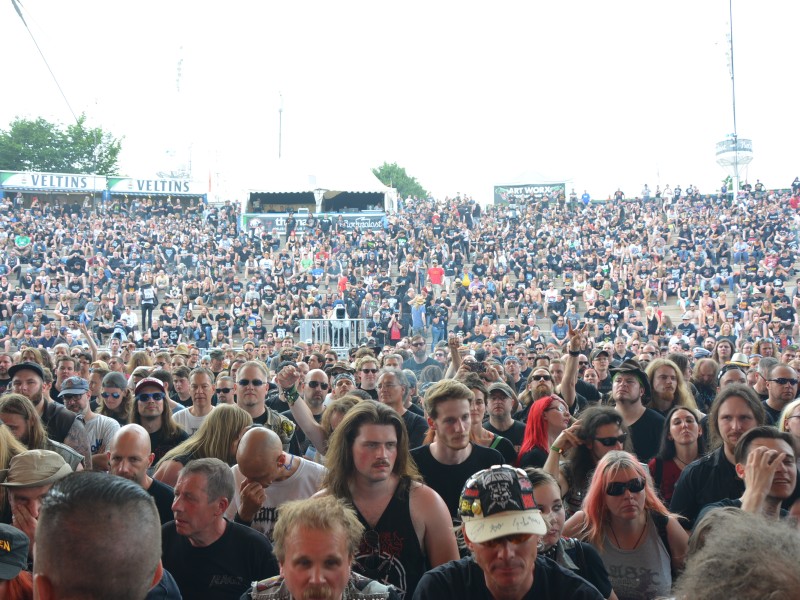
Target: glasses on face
x,y
418,344
583,363
784,380
317,384
253,382
541,377
373,371
612,441
618,488
114,395
224,390
380,386
155,396
71,397
560,408
516,539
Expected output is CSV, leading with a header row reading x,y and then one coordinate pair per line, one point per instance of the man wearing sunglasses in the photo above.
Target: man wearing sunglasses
x,y
367,371
781,390
251,395
502,526
419,355
315,391
630,387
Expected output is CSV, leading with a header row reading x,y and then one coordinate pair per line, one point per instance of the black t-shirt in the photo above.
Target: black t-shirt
x,y
464,579
221,571
515,434
646,434
163,495
160,445
449,480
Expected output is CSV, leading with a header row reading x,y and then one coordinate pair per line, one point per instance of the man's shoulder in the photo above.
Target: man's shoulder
x,y
551,580
159,488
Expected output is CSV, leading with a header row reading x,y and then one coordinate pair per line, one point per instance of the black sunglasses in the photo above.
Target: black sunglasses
x,y
611,441
369,370
317,384
784,380
157,396
115,395
255,382
224,390
418,344
541,377
618,488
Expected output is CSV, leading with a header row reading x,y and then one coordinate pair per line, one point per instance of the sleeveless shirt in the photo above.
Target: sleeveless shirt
x,y
390,552
640,574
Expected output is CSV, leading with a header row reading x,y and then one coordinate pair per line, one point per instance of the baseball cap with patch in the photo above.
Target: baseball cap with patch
x,y
344,375
498,502
13,551
73,386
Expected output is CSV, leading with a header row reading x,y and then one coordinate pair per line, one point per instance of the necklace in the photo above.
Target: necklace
x,y
680,461
641,535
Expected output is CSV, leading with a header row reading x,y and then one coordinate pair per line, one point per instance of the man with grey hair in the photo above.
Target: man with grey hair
x,y
764,368
73,511
393,390
210,557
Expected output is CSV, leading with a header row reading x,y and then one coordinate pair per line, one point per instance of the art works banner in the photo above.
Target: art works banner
x,y
514,194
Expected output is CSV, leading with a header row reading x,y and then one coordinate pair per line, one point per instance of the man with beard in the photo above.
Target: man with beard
x,y
704,379
781,390
314,392
765,461
28,379
251,395
5,364
735,411
419,355
668,387
540,384
630,387
266,477
99,428
501,402
447,462
155,417
129,456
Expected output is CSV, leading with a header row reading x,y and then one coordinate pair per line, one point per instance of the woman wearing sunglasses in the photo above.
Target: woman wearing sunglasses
x,y
640,542
579,557
548,417
576,451
116,398
682,442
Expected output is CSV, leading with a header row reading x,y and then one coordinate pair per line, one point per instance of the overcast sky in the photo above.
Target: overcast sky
x,y
464,95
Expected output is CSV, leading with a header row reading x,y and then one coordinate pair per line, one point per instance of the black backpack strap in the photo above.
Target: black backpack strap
x,y
661,525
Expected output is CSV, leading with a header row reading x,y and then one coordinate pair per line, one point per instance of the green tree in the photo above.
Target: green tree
x,y
396,177
44,146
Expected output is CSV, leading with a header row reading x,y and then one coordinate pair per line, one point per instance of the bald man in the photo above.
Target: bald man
x,y
266,477
129,456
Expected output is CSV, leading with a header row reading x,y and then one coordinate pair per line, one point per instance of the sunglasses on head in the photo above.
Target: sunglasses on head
x,y
514,538
156,396
317,384
611,441
224,390
254,382
618,488
541,377
115,395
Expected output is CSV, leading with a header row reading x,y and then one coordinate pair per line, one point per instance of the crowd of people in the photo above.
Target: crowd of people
x,y
521,419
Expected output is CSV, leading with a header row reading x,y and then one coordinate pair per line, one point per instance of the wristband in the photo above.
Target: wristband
x,y
557,450
238,519
574,353
291,395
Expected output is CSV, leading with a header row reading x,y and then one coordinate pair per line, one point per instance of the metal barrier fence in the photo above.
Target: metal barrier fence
x,y
341,334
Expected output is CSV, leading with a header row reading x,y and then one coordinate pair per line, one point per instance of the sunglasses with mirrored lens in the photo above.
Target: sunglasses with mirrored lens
x,y
317,384
224,390
618,488
156,396
541,377
254,382
612,441
514,538
115,395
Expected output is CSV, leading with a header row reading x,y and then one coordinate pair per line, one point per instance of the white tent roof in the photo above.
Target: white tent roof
x,y
286,177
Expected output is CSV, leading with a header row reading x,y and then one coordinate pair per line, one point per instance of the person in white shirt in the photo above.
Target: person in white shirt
x,y
202,383
99,429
